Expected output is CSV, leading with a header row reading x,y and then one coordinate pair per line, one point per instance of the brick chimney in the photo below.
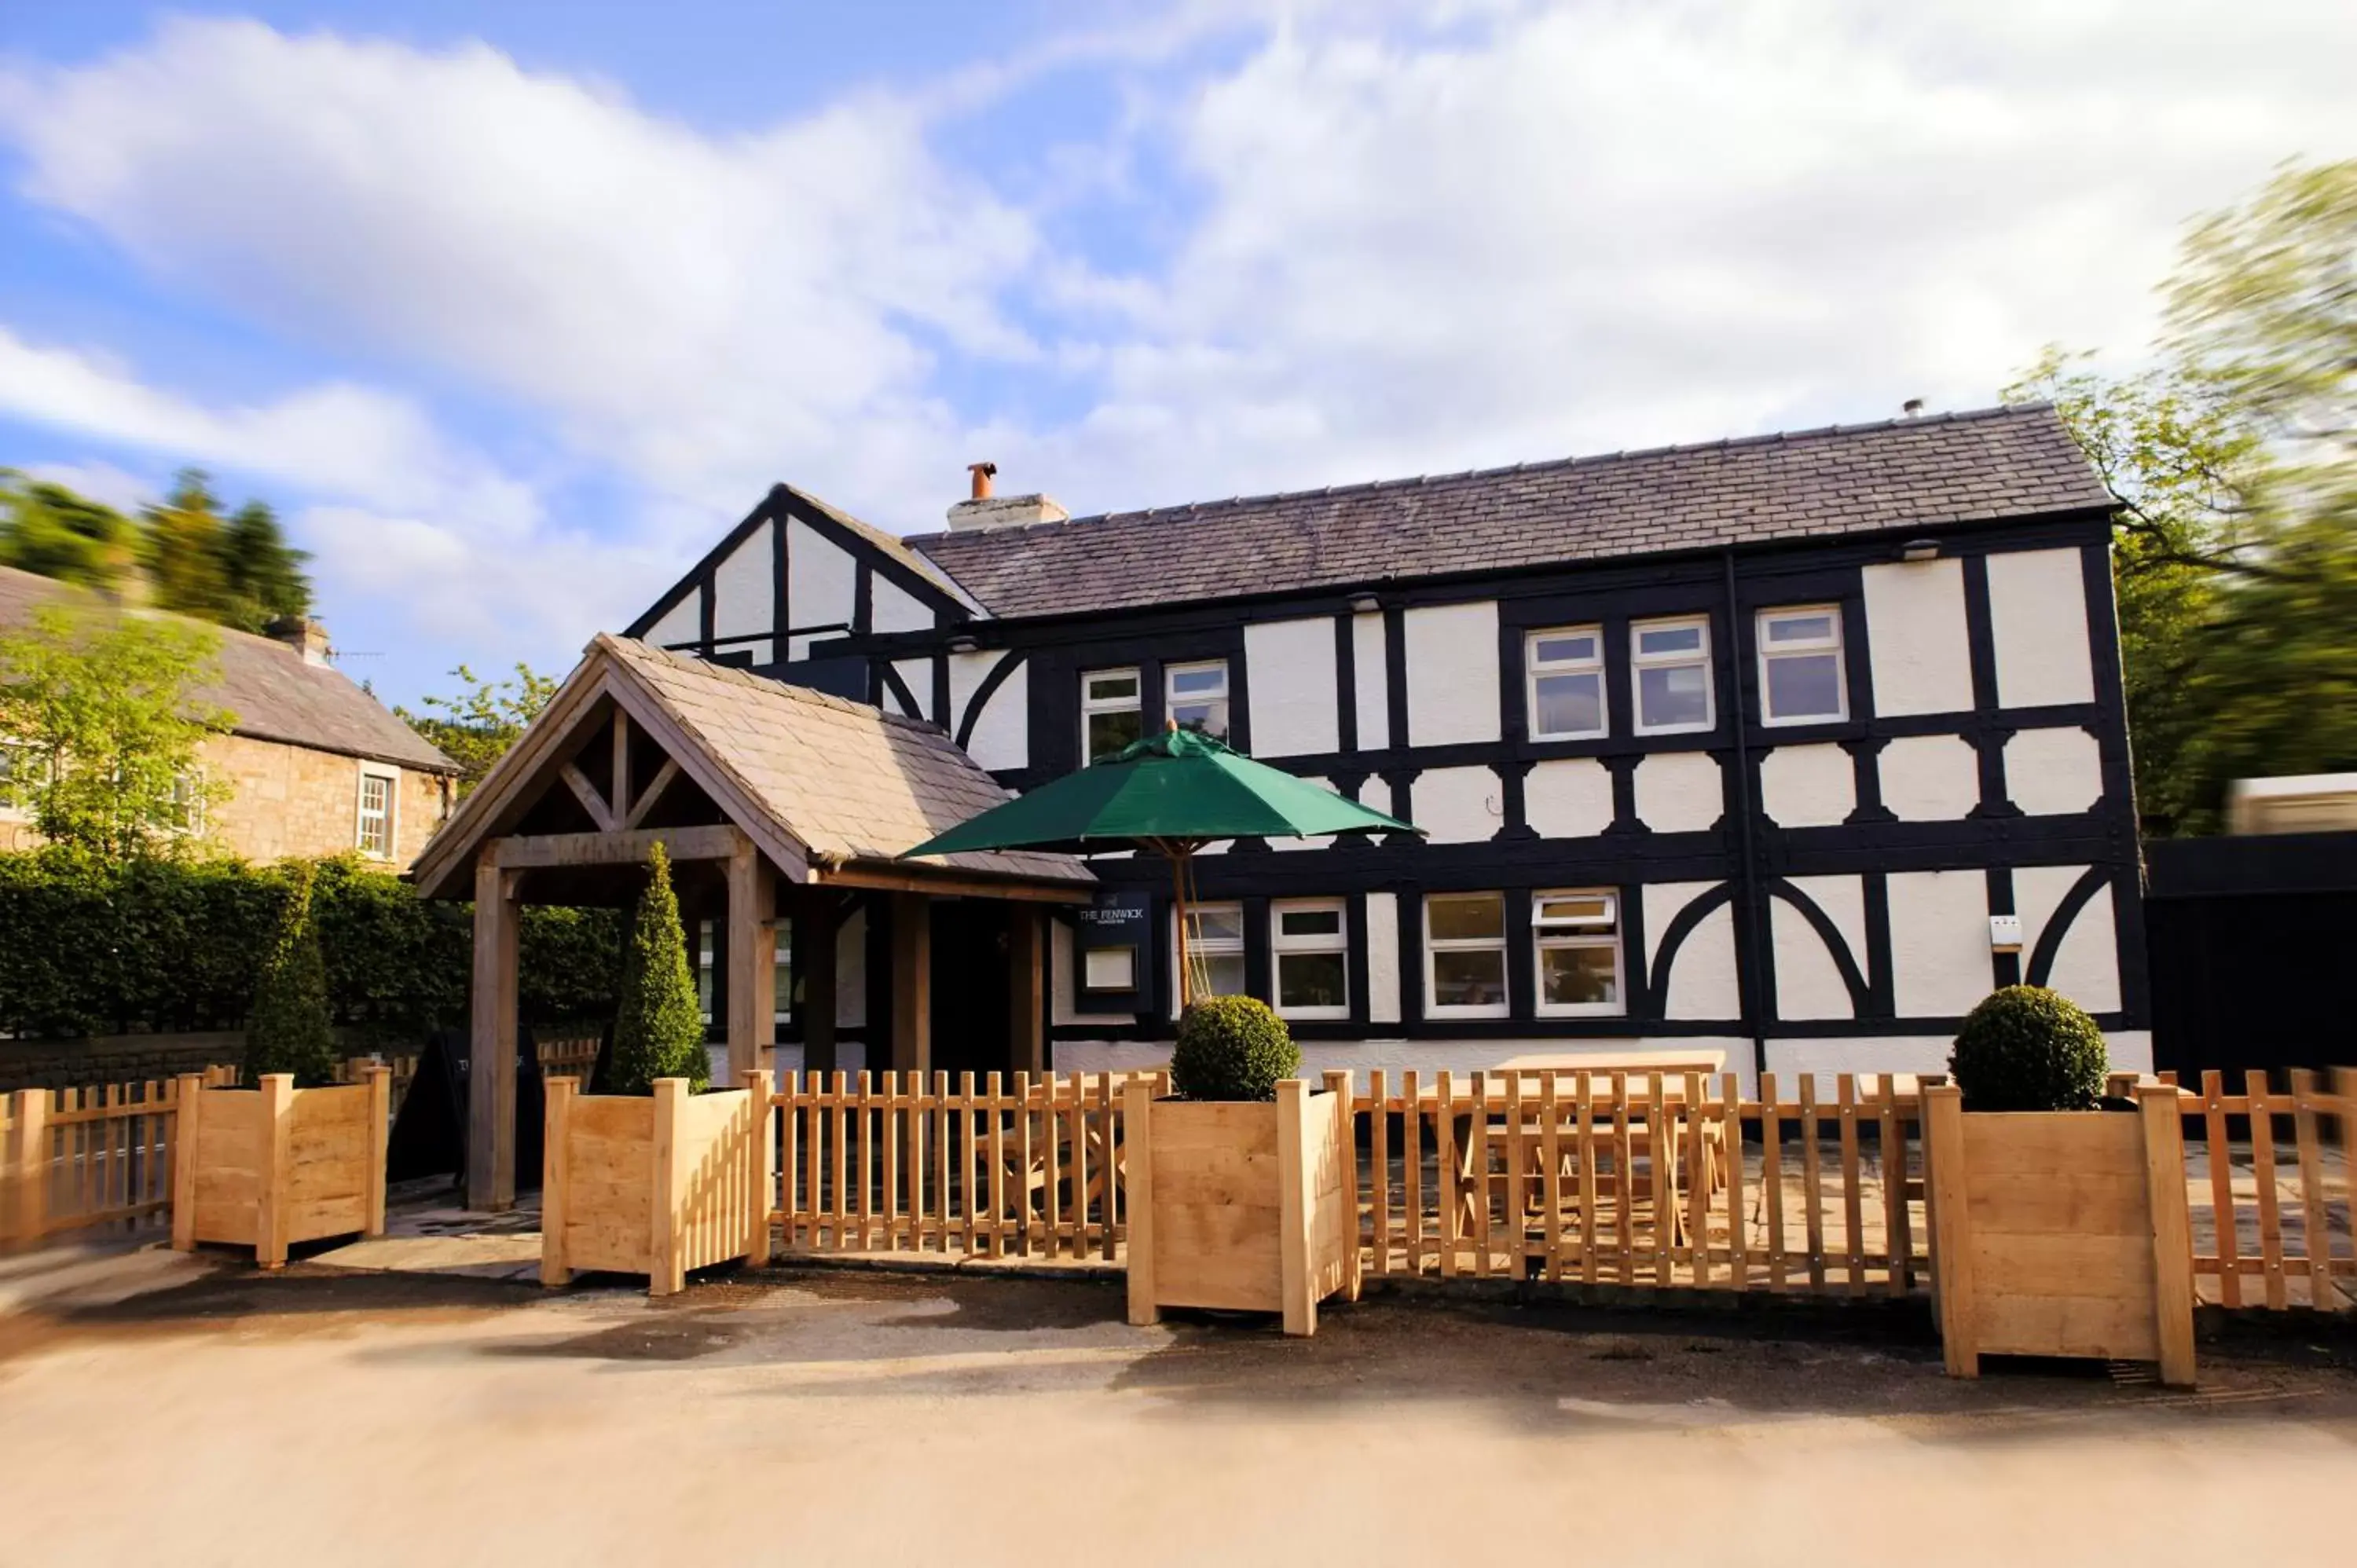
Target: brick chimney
x,y
305,636
982,510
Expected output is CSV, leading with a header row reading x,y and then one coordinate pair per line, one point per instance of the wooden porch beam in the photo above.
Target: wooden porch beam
x,y
651,794
622,847
621,769
913,982
1027,1043
752,959
952,885
591,802
491,1065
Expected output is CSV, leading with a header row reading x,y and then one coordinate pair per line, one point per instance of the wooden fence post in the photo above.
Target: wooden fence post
x,y
2172,1230
555,1174
188,1098
32,1166
1346,1136
761,1156
271,1207
379,1131
1952,1268
1295,1188
666,1273
1138,1157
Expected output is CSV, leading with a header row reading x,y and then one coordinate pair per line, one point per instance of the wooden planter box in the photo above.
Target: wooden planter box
x,y
1241,1205
654,1185
2062,1233
267,1167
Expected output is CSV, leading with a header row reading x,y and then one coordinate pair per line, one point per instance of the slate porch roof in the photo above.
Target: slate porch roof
x,y
275,696
1941,470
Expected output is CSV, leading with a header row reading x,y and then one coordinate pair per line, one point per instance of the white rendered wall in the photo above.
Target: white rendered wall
x,y
2051,771
1372,699
1939,942
891,608
1808,981
821,581
1569,797
1916,644
1000,737
2038,620
1930,777
2087,965
1456,805
1842,898
1452,673
1703,981
1382,958
745,594
2130,1051
917,674
683,622
1680,791
1425,1057
1808,786
1290,687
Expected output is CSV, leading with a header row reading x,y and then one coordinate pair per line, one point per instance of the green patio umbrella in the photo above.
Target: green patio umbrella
x,y
1170,793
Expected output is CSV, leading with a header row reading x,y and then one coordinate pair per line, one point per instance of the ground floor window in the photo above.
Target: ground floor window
x,y
1465,955
378,804
1310,944
1215,938
1577,940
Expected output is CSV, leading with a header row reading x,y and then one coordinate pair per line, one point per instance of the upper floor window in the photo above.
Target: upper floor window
x,y
1112,716
1567,684
1801,666
1577,938
1215,944
377,805
1310,944
1465,955
1196,696
1672,659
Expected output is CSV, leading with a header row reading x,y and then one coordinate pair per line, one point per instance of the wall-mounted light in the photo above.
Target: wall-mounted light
x,y
1919,550
2005,933
1364,604
962,645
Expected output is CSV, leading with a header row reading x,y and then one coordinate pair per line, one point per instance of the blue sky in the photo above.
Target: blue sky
x,y
511,310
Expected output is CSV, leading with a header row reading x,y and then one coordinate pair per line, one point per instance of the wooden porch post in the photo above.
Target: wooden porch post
x,y
913,982
752,957
491,1071
1026,1046
814,934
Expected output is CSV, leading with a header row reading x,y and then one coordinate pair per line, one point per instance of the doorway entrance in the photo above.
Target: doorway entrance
x,y
970,1003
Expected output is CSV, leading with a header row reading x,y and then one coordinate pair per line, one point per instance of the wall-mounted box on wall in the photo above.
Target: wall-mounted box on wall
x,y
2005,933
1110,938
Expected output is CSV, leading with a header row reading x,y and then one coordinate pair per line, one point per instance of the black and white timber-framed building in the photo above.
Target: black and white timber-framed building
x,y
1795,746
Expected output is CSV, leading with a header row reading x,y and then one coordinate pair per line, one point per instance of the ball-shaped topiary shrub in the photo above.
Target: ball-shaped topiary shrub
x,y
1231,1047
2028,1049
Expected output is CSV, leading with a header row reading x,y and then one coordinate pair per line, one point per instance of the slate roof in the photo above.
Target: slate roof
x,y
275,696
847,781
1939,470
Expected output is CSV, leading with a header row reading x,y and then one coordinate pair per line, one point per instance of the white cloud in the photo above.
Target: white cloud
x,y
1375,240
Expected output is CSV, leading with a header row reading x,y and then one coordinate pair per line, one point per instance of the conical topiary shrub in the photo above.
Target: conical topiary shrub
x,y
288,1030
659,1030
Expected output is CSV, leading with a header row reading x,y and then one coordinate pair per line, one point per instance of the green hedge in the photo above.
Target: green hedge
x,y
94,947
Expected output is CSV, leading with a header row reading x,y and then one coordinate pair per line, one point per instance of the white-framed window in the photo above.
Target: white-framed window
x,y
17,766
1801,666
1310,943
1112,716
1671,662
1196,696
188,801
1465,955
1215,937
1565,672
380,809
1577,939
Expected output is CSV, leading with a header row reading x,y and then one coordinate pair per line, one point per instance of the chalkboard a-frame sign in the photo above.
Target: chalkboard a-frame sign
x,y
1110,944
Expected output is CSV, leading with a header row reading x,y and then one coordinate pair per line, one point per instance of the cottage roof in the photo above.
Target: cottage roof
x,y
1943,470
275,693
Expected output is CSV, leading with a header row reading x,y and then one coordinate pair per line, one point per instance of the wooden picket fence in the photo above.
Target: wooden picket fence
x,y
2265,1170
86,1159
1022,1164
1649,1180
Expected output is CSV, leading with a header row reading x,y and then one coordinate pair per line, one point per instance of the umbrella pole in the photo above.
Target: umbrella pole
x,y
1178,903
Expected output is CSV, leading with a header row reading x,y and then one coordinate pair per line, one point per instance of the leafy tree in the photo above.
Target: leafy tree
x,y
288,1030
262,574
659,1030
102,713
2235,462
50,530
474,728
184,548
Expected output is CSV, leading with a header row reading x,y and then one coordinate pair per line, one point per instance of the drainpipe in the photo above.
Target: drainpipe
x,y
1752,1011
